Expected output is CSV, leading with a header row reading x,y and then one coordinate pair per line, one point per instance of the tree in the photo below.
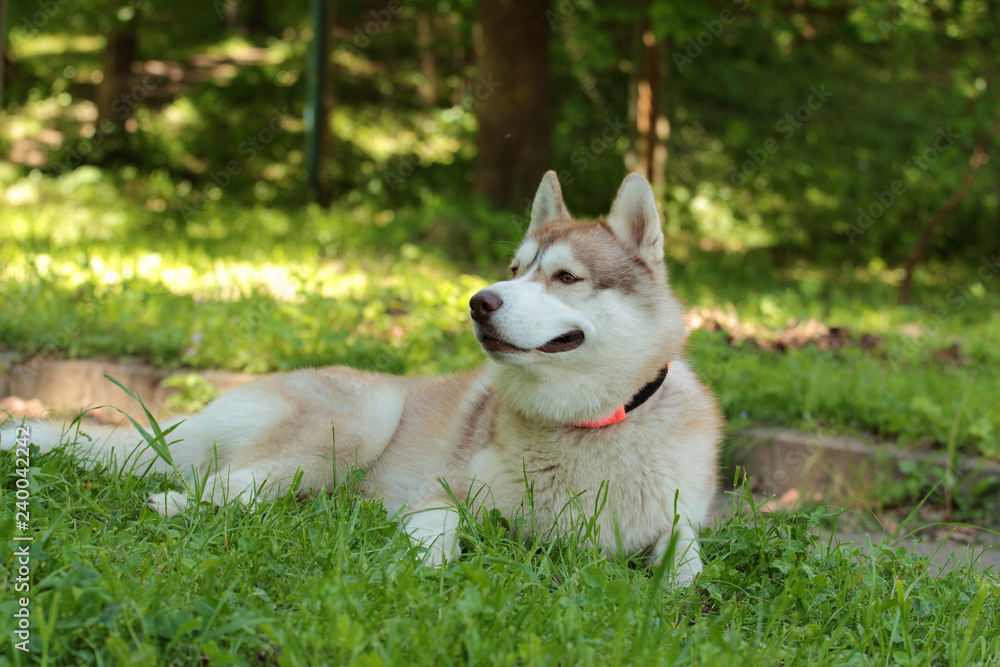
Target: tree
x,y
649,104
513,100
120,52
3,46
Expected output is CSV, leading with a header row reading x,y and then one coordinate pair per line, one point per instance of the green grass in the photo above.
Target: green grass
x,y
330,580
89,267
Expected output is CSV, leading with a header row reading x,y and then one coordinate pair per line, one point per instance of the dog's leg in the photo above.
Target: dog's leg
x,y
168,503
260,482
256,438
220,488
687,558
434,526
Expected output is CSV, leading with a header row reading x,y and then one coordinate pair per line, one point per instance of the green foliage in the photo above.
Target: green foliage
x,y
195,392
756,159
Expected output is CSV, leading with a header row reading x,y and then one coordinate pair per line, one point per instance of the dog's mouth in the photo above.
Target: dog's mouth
x,y
568,341
564,343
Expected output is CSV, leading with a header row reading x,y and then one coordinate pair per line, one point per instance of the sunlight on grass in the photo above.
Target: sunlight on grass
x,y
237,47
382,135
41,44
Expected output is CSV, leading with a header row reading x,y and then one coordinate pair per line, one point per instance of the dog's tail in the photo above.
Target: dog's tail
x,y
120,446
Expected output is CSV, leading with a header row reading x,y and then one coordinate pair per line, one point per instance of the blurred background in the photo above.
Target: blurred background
x,y
257,185
764,125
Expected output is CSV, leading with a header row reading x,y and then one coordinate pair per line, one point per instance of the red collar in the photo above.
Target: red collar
x,y
619,415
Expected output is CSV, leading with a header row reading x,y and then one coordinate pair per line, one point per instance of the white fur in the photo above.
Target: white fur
x,y
527,252
559,257
586,382
434,529
168,503
119,445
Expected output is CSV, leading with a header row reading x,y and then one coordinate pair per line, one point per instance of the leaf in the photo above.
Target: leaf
x,y
594,576
157,443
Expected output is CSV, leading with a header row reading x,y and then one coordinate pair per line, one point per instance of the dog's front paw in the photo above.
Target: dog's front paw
x,y
435,531
684,574
168,503
680,545
436,555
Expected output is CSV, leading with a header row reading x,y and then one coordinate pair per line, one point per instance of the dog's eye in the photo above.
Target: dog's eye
x,y
566,277
513,271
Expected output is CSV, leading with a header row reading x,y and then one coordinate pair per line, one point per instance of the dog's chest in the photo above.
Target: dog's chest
x,y
565,481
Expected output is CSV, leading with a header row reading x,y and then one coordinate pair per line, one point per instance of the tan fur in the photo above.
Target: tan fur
x,y
501,437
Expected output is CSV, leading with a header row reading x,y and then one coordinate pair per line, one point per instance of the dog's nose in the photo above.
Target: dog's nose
x,y
484,304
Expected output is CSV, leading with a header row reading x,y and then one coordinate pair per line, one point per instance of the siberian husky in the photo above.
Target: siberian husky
x,y
586,398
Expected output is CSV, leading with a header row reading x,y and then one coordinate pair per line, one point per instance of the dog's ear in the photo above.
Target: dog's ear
x,y
635,220
548,203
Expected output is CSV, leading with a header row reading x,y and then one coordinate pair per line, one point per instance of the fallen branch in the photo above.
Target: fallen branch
x,y
978,159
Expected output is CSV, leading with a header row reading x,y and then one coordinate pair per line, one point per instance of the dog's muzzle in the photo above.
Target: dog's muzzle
x,y
485,303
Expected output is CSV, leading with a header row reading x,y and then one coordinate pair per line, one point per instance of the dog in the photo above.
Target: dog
x,y
585,400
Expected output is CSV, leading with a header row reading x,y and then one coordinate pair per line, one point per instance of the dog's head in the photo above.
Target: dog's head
x,y
586,318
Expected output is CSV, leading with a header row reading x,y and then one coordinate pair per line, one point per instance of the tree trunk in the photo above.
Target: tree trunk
x,y
324,195
427,89
319,102
635,77
513,101
652,90
256,21
113,104
3,48
661,108
645,120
